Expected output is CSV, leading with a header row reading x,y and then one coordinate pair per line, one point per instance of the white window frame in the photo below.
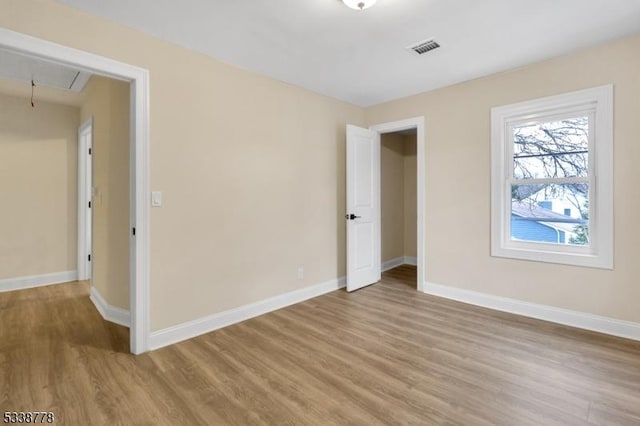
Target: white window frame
x,y
597,103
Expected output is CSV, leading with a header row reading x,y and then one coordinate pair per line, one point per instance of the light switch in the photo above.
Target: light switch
x,y
156,199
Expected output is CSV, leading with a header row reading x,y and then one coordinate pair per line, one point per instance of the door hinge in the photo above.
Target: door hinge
x,y
133,231
89,204
89,151
89,258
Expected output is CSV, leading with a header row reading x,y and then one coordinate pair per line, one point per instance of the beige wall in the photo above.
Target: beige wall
x,y
107,101
398,195
410,156
252,170
38,187
392,195
253,174
457,224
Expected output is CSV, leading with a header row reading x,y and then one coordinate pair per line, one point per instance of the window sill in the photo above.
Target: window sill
x,y
589,260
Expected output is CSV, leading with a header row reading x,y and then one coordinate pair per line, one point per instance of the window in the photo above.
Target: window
x,y
551,180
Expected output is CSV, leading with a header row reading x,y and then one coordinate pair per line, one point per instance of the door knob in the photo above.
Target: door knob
x,y
351,216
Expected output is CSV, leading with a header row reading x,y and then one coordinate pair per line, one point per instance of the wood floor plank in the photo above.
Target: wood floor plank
x,y
383,355
302,386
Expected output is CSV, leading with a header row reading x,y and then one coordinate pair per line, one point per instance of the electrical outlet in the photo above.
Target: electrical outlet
x,y
301,273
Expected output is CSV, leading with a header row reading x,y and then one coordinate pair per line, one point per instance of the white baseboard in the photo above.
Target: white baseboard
x,y
390,264
190,329
411,260
615,327
402,260
10,284
109,313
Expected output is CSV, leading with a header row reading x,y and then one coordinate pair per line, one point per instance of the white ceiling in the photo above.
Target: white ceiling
x,y
360,57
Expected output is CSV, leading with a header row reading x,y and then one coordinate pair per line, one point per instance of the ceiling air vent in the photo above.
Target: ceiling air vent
x,y
423,47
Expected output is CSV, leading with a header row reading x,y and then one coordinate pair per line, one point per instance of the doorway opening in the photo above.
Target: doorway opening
x,y
136,214
406,127
363,206
398,201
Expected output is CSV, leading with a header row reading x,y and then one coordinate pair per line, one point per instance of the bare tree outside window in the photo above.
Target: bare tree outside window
x,y
551,159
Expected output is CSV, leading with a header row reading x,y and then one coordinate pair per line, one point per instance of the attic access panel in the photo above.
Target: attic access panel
x,y
15,66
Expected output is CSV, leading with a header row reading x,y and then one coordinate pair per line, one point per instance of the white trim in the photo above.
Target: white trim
x,y
600,252
190,329
85,183
109,313
390,264
20,283
140,194
139,118
410,260
417,123
402,260
614,327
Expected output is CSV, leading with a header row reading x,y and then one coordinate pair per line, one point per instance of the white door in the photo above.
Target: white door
x,y
363,207
85,199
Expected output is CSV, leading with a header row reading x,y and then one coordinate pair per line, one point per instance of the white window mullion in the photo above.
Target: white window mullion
x,y
556,181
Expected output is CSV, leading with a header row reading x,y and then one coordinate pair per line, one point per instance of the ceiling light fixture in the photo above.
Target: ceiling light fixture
x,y
359,4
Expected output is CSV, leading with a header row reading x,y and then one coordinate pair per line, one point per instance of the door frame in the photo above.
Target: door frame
x,y
85,192
418,124
138,79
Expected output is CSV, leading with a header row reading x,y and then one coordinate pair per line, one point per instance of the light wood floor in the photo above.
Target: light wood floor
x,y
383,355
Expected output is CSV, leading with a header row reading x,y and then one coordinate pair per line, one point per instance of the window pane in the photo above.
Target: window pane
x,y
553,213
551,149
